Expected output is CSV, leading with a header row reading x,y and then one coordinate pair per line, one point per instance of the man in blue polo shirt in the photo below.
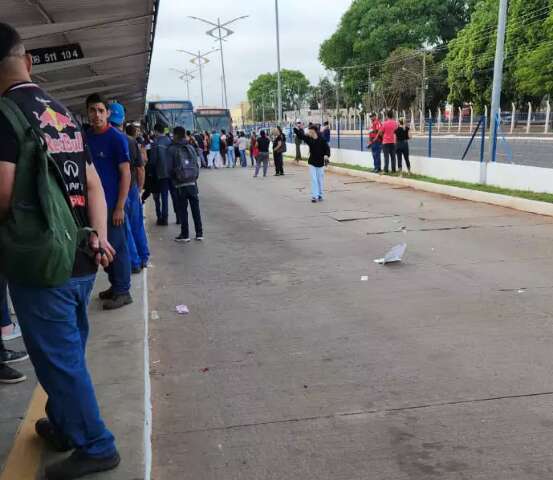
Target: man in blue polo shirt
x,y
110,154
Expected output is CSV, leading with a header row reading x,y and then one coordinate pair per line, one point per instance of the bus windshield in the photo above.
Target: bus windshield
x,y
170,115
213,120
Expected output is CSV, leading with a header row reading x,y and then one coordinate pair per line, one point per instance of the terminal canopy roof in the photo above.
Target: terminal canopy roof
x,y
115,37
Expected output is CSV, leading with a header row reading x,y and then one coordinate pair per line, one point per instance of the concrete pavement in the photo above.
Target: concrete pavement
x,y
291,367
115,358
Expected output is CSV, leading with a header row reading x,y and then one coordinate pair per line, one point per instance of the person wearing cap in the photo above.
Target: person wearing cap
x,y
110,153
54,321
375,142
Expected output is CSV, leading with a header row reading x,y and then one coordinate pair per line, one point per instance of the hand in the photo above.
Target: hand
x,y
327,161
105,252
118,217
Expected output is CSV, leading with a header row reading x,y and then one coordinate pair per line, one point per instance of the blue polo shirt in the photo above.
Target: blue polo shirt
x,y
109,149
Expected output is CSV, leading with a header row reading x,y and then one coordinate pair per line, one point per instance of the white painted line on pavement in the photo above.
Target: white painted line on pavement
x,y
147,384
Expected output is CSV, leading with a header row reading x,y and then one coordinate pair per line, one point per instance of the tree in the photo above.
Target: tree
x,y
527,65
372,29
262,92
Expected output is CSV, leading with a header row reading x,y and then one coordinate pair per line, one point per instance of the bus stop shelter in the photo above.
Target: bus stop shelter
x,y
84,46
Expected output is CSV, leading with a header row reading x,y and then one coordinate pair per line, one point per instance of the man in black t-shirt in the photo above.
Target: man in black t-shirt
x,y
54,321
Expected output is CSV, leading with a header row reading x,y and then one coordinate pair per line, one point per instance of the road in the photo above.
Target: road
x,y
533,152
289,367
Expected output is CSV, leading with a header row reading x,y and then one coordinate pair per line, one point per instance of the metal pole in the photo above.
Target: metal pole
x,y
222,64
483,141
200,65
497,82
430,138
423,90
279,82
338,105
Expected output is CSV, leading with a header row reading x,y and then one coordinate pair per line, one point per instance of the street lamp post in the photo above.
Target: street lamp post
x,y
279,80
220,32
186,76
199,59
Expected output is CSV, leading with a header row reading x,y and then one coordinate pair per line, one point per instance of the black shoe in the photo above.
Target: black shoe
x,y
320,198
54,439
106,294
144,265
9,375
78,465
118,301
182,239
313,200
200,238
9,356
136,270
162,223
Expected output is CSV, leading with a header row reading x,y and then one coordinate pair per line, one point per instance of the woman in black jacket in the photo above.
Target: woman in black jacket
x,y
319,154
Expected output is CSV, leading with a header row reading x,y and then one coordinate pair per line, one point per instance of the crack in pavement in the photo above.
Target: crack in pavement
x,y
441,229
367,412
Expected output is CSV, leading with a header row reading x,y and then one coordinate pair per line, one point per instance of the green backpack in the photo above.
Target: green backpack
x,y
39,238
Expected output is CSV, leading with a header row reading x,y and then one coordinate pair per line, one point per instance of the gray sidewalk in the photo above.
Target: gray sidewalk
x,y
116,360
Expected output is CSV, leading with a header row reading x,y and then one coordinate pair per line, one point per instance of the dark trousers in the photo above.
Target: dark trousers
x,y
279,163
402,150
185,195
298,151
119,272
389,150
162,199
376,150
54,323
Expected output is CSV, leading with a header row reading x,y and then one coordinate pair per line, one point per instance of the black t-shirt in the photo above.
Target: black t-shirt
x,y
402,134
263,144
66,145
136,160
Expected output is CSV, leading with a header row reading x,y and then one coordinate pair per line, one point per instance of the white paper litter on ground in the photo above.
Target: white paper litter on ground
x,y
364,278
182,309
394,255
154,315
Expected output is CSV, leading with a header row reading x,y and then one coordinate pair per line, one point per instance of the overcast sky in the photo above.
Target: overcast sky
x,y
248,53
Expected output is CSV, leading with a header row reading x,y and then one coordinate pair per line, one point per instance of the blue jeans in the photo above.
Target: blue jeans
x,y
5,319
231,159
243,159
54,323
161,199
317,181
376,149
137,240
119,272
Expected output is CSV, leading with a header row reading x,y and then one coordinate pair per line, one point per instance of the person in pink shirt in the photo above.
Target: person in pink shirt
x,y
388,132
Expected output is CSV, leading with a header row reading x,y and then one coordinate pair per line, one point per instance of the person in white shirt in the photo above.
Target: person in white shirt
x,y
242,147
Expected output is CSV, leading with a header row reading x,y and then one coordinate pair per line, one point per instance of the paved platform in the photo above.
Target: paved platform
x,y
291,367
116,361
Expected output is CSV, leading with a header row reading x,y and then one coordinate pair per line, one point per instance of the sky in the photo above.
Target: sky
x,y
249,52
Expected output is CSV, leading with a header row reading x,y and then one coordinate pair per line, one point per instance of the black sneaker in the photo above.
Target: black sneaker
x,y
136,270
54,439
9,356
9,375
200,238
320,198
78,465
313,200
106,294
118,301
182,239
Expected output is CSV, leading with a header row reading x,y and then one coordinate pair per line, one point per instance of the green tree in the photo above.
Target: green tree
x,y
263,92
527,65
372,29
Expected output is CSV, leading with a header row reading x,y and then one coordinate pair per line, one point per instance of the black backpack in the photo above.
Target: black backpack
x,y
186,168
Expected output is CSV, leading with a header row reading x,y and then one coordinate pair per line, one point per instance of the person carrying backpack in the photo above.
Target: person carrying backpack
x,y
51,263
184,170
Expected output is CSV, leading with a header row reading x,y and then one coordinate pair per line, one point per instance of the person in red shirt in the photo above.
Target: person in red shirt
x,y
388,132
375,142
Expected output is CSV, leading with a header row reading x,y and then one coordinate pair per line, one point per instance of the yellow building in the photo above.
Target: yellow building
x,y
241,114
